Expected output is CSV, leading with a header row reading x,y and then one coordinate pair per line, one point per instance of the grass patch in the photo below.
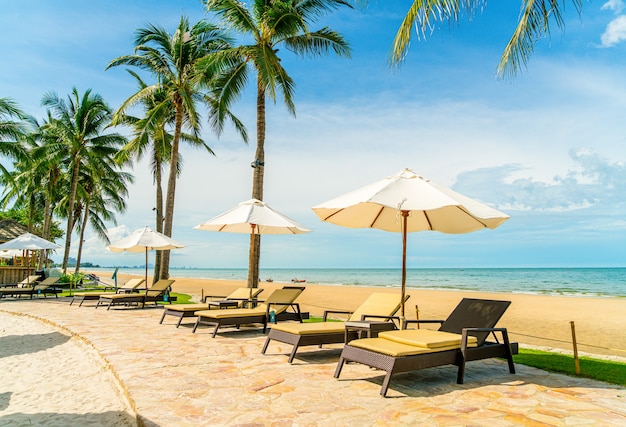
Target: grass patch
x,y
602,370
317,319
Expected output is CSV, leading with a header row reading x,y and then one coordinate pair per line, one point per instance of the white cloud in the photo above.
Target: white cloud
x,y
615,32
613,5
594,182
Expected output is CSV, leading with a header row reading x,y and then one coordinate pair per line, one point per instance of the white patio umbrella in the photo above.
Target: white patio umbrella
x,y
250,217
406,202
28,242
10,253
144,240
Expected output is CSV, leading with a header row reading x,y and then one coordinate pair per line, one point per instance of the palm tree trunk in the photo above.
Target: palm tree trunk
x,y
70,214
47,221
82,237
171,186
257,184
159,216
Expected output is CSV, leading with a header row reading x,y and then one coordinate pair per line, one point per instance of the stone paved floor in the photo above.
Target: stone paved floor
x,y
176,378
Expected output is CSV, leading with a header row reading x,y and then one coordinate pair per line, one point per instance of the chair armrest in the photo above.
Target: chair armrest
x,y
291,303
327,312
465,332
376,316
206,297
407,322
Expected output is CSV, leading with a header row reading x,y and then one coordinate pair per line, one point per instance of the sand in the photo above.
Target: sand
x,y
52,378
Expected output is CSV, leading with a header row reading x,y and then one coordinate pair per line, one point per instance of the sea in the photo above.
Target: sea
x,y
589,282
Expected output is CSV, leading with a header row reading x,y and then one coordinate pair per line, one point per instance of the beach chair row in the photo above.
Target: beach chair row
x,y
372,334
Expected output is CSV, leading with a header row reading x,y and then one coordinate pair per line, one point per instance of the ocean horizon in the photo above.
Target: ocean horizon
x,y
596,282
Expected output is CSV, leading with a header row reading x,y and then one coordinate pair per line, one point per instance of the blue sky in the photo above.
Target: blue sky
x,y
547,147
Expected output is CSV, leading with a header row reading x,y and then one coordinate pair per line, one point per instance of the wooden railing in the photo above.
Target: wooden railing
x,y
13,274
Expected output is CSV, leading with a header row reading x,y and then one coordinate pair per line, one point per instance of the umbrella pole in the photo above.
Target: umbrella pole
x,y
405,214
146,279
253,226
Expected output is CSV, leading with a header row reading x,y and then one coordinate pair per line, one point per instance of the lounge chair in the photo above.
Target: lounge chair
x,y
153,294
379,306
28,282
131,286
274,308
42,288
461,338
235,299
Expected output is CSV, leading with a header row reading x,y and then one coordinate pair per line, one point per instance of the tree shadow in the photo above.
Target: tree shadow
x,y
12,345
5,398
108,418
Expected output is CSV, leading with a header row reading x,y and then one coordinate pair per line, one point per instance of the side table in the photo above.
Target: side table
x,y
371,328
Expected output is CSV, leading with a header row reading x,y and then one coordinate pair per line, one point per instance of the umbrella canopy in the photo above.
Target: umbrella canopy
x,y
10,253
144,240
253,217
406,202
28,241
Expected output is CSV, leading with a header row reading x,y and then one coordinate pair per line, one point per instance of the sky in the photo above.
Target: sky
x,y
547,146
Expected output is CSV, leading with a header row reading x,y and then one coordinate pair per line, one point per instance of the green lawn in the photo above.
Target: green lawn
x,y
597,369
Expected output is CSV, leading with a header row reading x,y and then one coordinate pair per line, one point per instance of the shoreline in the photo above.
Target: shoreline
x,y
542,321
530,281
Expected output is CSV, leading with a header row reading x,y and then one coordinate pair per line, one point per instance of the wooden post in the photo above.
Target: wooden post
x,y
576,362
417,315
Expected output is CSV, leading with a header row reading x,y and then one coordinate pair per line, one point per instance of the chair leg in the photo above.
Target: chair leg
x,y
196,325
339,367
383,389
163,317
267,342
293,352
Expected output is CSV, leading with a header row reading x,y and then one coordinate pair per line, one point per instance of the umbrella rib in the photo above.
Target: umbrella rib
x,y
377,216
474,217
430,225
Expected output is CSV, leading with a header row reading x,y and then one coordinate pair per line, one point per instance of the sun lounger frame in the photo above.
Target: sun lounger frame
x,y
459,357
330,337
489,312
264,318
299,340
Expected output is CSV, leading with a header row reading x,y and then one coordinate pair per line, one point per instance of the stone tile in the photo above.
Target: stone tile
x,y
176,378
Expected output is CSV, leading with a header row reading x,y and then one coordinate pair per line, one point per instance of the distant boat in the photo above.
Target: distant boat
x,y
296,280
269,279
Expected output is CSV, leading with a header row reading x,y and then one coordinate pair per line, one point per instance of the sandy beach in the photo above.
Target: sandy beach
x,y
121,367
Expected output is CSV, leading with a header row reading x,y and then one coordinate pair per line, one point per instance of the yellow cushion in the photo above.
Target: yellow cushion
x,y
310,328
186,307
235,312
393,348
379,304
427,338
122,296
91,294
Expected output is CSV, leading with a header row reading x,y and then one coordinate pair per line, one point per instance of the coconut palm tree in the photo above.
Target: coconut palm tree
x,y
76,132
13,128
534,23
151,137
103,189
268,24
172,60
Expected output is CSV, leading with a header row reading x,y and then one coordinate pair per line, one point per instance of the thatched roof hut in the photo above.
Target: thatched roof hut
x,y
10,229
